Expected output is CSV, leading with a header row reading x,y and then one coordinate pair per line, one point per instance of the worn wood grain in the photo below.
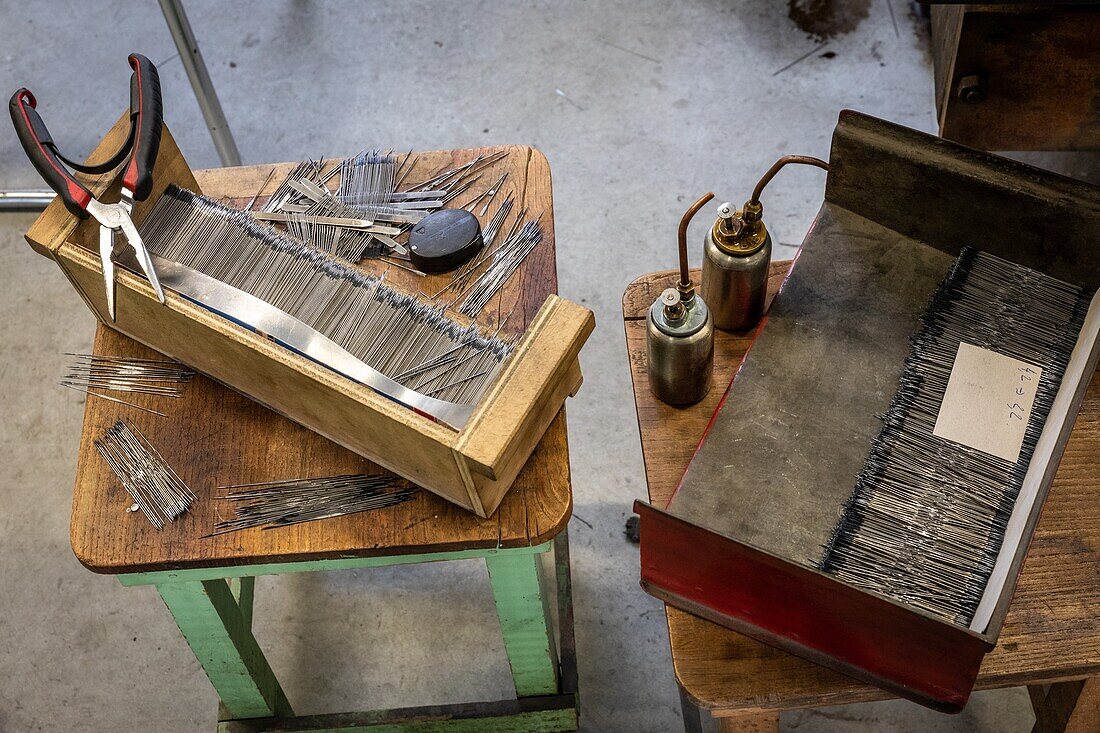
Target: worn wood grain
x,y
946,24
750,723
1052,632
513,404
1084,712
216,437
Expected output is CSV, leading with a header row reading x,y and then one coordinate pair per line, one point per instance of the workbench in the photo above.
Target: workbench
x,y
216,437
1051,639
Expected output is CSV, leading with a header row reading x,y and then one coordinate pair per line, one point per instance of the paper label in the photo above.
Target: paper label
x,y
988,401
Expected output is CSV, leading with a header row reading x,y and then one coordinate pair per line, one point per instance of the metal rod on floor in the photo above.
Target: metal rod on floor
x,y
211,108
25,200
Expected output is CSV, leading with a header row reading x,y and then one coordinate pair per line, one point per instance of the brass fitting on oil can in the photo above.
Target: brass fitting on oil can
x,y
740,232
737,255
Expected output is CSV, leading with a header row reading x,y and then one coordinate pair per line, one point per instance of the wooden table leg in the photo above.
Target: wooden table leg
x,y
522,606
1038,695
750,723
1069,707
218,631
694,716
567,644
697,720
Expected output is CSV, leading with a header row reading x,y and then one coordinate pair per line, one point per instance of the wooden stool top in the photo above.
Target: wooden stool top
x,y
1052,631
215,437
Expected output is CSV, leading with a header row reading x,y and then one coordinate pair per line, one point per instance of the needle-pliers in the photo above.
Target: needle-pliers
x,y
146,115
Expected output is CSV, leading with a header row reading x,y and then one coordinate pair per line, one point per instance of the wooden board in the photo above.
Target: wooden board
x,y
1052,631
1041,69
215,437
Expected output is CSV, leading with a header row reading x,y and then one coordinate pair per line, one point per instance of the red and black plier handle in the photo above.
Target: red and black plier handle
x,y
146,116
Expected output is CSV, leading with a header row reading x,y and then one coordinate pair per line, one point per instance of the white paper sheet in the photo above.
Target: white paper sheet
x,y
988,400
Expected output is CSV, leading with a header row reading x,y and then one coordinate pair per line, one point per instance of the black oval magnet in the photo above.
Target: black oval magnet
x,y
443,240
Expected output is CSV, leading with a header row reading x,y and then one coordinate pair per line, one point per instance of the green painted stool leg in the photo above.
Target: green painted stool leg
x,y
522,607
244,589
218,632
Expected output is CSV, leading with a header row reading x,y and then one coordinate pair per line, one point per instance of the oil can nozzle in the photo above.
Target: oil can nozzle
x,y
685,286
752,212
739,232
729,221
674,307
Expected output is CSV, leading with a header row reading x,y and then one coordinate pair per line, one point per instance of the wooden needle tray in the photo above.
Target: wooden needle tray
x,y
473,467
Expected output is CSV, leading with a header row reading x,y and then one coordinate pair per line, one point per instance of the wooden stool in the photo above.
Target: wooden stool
x,y
216,437
1050,641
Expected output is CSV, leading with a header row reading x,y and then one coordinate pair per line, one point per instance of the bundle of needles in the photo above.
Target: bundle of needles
x,y
273,504
345,242
368,188
155,488
368,181
368,193
409,340
93,374
486,196
461,279
927,518
503,264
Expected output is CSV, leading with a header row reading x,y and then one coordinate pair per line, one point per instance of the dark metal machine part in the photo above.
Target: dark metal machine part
x,y
443,240
775,473
900,253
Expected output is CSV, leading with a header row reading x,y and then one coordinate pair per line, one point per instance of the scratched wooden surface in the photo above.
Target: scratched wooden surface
x,y
215,437
1052,632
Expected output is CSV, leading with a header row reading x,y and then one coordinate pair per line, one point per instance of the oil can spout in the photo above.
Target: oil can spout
x,y
754,202
685,286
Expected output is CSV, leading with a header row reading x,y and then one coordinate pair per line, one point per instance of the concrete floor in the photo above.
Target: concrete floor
x,y
640,107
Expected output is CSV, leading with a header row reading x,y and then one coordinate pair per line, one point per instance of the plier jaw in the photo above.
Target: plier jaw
x,y
146,116
106,257
115,219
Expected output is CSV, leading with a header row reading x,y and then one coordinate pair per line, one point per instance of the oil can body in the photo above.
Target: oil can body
x,y
681,354
735,285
